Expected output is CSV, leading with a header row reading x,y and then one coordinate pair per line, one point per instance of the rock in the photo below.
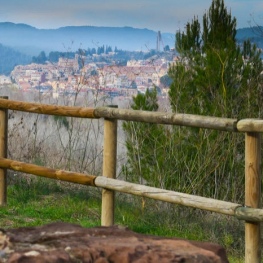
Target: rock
x,y
63,242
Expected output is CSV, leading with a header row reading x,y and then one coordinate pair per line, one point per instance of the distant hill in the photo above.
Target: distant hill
x,y
31,40
255,34
19,42
9,58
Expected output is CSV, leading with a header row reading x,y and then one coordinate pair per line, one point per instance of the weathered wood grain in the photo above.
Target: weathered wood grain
x,y
252,195
250,125
3,152
62,175
80,112
223,124
109,170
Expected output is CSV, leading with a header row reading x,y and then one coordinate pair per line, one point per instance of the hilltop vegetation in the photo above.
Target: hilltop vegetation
x,y
10,57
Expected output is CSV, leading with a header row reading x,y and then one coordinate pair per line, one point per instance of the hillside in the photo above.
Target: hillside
x,y
255,34
19,42
9,58
31,40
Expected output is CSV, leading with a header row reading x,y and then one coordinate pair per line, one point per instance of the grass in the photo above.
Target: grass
x,y
39,202
33,202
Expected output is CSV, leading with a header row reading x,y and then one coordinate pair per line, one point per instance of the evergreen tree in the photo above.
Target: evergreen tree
x,y
40,59
145,143
54,56
214,73
108,49
215,77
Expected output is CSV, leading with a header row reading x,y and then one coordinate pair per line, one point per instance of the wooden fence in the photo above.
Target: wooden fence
x,y
252,128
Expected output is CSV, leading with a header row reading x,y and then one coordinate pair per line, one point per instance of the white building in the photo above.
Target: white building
x,y
5,80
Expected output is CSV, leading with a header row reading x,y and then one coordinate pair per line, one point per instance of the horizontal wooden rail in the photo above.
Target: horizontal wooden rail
x,y
209,204
199,121
250,125
62,175
249,214
80,112
223,124
253,127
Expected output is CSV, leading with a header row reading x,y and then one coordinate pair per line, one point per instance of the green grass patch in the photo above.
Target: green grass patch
x,y
33,202
41,201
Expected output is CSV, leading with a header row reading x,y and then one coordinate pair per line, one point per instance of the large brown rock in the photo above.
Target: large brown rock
x,y
62,242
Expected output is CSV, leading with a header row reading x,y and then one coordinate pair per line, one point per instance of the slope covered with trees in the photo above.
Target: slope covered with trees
x,y
9,58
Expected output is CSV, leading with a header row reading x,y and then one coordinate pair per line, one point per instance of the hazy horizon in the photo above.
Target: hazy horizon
x,y
167,15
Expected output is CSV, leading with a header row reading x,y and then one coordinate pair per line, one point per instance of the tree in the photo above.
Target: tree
x,y
165,81
166,48
214,72
215,77
146,145
101,50
133,85
40,59
108,49
54,56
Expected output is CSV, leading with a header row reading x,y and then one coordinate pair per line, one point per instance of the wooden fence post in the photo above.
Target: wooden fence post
x,y
109,169
252,194
3,152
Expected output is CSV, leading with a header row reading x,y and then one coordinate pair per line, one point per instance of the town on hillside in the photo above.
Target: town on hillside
x,y
104,76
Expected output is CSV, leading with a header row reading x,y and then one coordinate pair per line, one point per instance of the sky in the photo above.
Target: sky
x,y
164,15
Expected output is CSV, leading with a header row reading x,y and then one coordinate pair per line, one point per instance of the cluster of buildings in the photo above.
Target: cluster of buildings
x,y
67,77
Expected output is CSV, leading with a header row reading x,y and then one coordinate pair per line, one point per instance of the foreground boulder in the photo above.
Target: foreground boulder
x,y
62,242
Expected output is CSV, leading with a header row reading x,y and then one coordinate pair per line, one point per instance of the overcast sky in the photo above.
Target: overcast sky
x,y
164,15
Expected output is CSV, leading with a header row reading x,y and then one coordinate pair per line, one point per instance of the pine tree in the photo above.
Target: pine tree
x,y
215,76
214,72
40,59
146,145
